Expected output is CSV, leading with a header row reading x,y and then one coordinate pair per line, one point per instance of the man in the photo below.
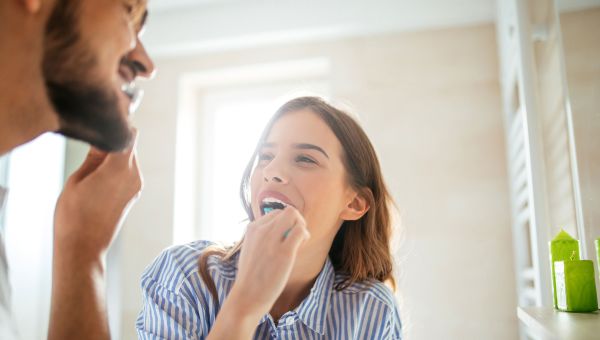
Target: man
x,y
68,66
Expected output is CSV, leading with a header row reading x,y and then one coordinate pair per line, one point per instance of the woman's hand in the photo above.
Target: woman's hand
x,y
266,261
267,258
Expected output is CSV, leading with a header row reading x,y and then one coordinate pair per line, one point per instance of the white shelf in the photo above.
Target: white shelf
x,y
548,323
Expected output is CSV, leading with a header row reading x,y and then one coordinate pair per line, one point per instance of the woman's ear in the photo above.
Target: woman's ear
x,y
32,6
356,208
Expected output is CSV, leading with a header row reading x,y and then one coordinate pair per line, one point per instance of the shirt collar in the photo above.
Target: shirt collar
x,y
313,310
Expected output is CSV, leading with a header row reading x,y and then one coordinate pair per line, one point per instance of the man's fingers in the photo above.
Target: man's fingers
x,y
94,159
133,149
125,158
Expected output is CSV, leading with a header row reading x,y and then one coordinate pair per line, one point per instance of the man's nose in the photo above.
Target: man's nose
x,y
140,59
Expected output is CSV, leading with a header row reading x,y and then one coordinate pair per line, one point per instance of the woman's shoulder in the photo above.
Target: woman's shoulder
x,y
175,264
375,294
369,290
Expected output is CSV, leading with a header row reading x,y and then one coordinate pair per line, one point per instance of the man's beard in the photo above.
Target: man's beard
x,y
87,110
90,114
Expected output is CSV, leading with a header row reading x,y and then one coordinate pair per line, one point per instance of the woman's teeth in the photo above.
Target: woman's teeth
x,y
270,204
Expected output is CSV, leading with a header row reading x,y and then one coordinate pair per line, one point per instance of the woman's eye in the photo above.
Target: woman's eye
x,y
264,157
305,159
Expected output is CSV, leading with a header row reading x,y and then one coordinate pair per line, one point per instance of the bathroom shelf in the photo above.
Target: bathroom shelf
x,y
548,323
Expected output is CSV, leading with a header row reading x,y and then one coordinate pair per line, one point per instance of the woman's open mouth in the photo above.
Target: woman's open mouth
x,y
270,204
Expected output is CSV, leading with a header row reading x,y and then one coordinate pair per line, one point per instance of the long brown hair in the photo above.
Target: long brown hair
x,y
361,248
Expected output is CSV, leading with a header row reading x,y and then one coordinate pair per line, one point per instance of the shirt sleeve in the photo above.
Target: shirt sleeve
x,y
394,324
166,315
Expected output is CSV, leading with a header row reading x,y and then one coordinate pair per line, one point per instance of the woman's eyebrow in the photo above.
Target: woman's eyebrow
x,y
306,146
303,146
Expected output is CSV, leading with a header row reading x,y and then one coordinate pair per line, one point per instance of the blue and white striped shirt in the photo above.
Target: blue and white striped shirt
x,y
178,305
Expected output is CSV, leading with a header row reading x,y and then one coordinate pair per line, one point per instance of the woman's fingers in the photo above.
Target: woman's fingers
x,y
289,218
293,238
295,234
284,231
263,224
267,257
277,226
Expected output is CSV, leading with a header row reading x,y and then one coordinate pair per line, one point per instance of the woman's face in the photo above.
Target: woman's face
x,y
300,164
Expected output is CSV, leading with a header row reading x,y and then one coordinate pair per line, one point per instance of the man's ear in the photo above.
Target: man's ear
x,y
356,208
32,6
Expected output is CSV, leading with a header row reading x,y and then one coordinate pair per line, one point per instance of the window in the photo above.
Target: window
x,y
232,131
219,126
35,178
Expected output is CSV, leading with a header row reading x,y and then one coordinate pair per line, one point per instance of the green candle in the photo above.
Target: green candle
x,y
576,286
562,247
598,255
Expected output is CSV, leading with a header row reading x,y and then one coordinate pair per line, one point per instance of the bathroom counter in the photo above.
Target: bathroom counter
x,y
548,323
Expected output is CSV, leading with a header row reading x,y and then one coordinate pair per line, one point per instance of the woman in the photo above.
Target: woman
x,y
315,258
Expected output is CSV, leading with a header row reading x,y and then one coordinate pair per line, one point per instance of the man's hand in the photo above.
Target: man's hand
x,y
94,202
88,216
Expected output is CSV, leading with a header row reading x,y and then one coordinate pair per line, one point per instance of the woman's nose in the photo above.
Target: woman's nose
x,y
275,172
274,179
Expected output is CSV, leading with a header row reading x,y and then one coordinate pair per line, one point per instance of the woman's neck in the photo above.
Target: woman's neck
x,y
302,279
